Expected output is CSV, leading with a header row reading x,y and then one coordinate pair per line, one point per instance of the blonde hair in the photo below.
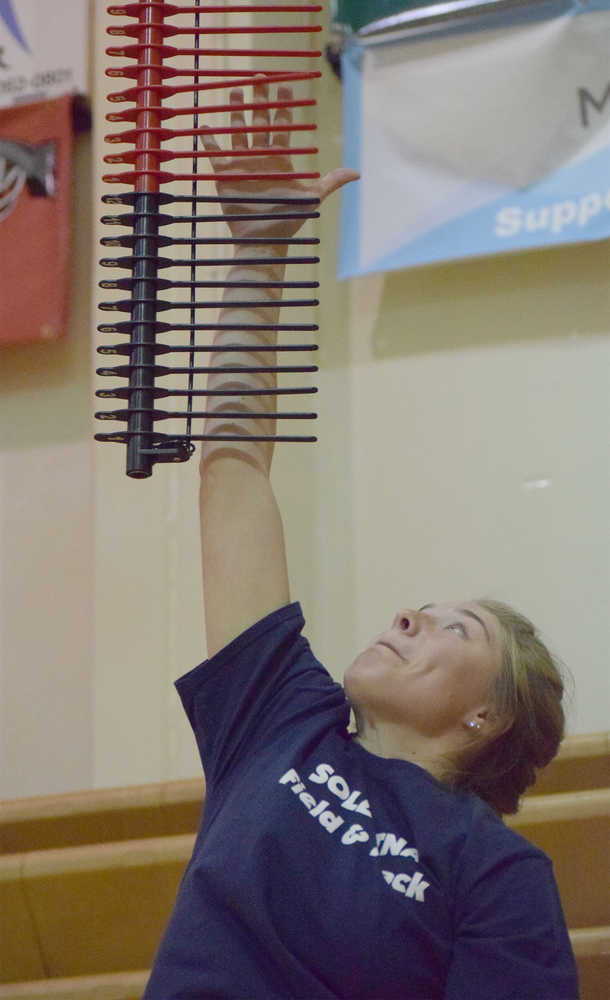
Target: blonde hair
x,y
527,694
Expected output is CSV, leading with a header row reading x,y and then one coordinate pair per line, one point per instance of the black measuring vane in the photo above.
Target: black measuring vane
x,y
162,212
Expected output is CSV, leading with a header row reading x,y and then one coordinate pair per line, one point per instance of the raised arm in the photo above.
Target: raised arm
x,y
243,556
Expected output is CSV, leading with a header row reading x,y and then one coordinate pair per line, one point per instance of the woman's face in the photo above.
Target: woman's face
x,y
431,670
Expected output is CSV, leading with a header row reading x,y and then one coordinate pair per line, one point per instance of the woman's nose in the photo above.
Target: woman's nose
x,y
406,620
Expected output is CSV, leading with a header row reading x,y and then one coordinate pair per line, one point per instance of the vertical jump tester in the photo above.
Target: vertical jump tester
x,y
162,273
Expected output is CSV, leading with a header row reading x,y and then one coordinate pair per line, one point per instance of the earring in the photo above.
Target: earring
x,y
474,725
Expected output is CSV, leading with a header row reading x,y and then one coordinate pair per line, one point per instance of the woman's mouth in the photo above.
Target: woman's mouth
x,y
387,645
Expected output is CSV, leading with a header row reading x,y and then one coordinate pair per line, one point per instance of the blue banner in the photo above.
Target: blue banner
x,y
479,137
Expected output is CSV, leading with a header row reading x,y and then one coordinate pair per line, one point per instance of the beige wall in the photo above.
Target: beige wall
x,y
46,540
463,429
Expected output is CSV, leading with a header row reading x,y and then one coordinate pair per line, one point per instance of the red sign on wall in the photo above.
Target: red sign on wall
x,y
35,172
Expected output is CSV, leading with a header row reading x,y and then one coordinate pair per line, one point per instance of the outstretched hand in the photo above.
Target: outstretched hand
x,y
264,163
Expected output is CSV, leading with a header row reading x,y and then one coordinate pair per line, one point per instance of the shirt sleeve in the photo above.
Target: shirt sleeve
x,y
512,942
264,681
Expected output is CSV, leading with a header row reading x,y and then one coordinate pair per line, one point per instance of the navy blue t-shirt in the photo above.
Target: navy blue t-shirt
x,y
323,871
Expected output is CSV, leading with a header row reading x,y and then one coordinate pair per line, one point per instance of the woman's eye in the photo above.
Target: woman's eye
x,y
458,627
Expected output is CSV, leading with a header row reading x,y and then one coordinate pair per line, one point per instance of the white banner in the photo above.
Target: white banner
x,y
43,49
488,136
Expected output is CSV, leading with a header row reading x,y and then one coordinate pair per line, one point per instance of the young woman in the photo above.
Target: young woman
x,y
330,864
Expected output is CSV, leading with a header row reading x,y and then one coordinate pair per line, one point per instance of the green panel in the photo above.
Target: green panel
x,y
357,13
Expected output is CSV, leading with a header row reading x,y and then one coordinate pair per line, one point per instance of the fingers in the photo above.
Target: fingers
x,y
283,116
334,180
260,116
239,140
211,146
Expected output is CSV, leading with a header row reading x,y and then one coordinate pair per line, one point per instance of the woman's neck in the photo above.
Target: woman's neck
x,y
396,743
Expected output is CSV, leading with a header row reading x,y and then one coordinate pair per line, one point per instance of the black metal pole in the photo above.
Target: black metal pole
x,y
140,424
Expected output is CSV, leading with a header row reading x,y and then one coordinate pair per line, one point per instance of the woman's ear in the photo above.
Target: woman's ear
x,y
498,723
486,722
